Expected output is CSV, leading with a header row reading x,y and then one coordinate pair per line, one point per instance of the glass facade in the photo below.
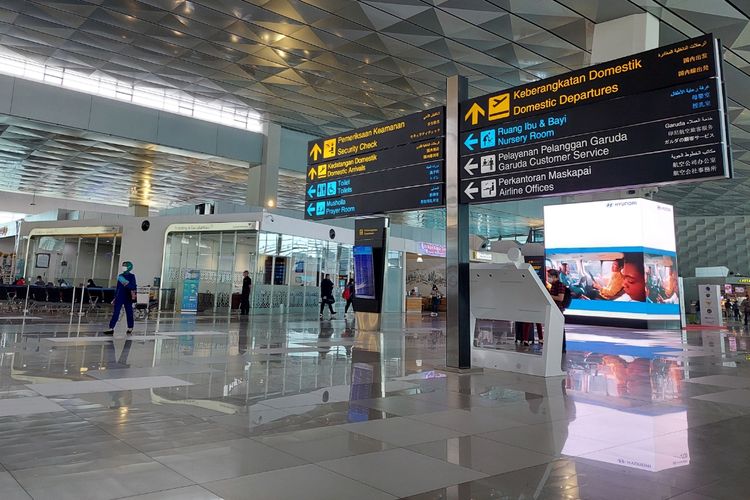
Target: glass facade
x,y
285,269
73,258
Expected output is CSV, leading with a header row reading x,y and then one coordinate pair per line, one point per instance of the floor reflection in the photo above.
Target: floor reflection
x,y
223,402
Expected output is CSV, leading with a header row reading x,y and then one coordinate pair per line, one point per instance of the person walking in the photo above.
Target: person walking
x,y
245,296
125,295
326,295
349,295
746,309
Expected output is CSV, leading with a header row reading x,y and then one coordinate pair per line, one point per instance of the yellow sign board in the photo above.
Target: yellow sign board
x,y
473,113
498,107
329,148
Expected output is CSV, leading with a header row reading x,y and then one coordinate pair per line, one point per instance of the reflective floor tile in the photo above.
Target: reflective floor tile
x,y
186,493
730,487
249,418
691,495
473,421
155,371
78,387
147,382
656,454
20,392
224,460
548,409
61,449
154,437
27,406
619,427
326,443
481,454
402,431
10,489
729,381
551,481
402,405
385,470
551,438
309,482
739,397
494,398
99,480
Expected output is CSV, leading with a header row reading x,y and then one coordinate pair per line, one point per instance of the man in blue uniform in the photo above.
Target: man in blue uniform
x,y
124,296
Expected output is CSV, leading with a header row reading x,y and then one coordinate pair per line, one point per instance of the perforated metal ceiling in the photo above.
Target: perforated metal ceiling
x,y
323,66
59,162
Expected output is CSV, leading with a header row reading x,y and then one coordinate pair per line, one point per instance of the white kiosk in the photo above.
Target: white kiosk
x,y
512,291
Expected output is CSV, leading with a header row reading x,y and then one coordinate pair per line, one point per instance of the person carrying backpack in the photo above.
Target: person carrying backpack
x,y
560,294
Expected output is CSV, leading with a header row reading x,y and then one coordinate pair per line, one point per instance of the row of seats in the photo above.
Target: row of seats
x,y
14,297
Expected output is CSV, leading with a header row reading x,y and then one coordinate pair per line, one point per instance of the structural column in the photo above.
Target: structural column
x,y
458,328
624,36
138,210
263,179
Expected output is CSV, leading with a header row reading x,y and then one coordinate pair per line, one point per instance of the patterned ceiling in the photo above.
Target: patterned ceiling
x,y
323,66
58,162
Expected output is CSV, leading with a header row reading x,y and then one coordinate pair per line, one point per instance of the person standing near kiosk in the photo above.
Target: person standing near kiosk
x,y
125,295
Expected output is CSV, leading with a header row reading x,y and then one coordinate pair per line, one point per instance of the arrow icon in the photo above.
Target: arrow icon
x,y
315,151
471,190
311,174
470,142
471,166
474,111
310,209
311,191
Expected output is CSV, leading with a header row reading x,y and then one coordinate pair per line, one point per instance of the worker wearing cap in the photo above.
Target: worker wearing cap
x,y
124,296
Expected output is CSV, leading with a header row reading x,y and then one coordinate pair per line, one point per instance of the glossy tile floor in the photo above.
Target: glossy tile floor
x,y
297,408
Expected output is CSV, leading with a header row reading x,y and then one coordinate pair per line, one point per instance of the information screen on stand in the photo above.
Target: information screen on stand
x,y
389,167
653,118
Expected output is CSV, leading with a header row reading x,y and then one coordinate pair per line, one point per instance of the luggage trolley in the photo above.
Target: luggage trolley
x,y
146,302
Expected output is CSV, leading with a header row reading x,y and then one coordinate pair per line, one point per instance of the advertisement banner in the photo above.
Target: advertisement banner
x,y
190,291
710,305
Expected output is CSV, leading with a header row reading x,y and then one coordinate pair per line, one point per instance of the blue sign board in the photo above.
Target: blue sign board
x,y
190,291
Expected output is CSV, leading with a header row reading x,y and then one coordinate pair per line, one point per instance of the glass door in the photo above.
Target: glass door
x,y
245,259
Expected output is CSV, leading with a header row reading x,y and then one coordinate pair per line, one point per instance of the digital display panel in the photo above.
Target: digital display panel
x,y
617,257
364,272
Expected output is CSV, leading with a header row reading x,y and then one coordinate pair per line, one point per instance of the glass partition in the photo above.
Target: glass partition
x,y
286,270
72,260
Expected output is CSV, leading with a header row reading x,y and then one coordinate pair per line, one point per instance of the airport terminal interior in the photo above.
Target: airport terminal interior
x,y
387,249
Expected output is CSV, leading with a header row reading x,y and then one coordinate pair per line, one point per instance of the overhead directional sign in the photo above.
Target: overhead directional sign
x,y
428,124
415,175
392,166
664,67
632,137
395,200
400,156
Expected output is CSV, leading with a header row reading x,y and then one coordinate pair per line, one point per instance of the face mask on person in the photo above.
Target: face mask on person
x,y
124,269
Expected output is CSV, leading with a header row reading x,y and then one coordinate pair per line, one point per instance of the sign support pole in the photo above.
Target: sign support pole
x,y
458,328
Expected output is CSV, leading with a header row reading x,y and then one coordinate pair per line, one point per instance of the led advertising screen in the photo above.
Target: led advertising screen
x,y
364,272
617,257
